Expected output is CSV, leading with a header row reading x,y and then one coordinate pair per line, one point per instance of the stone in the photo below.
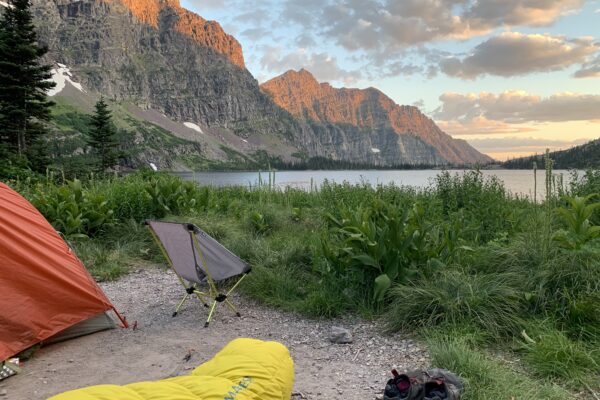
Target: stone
x,y
339,335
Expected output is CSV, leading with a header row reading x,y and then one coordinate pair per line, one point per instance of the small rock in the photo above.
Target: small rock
x,y
340,335
3,392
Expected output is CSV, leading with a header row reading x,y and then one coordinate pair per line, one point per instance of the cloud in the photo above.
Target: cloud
x,y
513,53
301,12
254,33
386,35
390,25
518,107
305,40
396,68
481,126
255,16
324,67
419,104
590,69
519,12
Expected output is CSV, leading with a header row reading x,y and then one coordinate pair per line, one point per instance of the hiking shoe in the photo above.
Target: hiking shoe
x,y
442,385
433,384
408,386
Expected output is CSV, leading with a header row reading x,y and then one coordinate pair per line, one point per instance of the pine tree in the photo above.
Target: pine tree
x,y
102,137
24,81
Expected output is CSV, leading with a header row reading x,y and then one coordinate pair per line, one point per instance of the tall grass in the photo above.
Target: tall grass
x,y
552,354
485,377
492,302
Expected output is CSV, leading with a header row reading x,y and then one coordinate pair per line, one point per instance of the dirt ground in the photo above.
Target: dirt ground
x,y
156,349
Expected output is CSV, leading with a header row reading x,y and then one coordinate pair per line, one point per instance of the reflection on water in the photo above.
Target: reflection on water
x,y
519,182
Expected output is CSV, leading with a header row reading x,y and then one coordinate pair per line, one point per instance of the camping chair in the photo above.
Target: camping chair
x,y
196,259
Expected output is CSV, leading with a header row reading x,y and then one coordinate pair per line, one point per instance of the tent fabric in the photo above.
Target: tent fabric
x,y
187,262
246,369
44,288
95,324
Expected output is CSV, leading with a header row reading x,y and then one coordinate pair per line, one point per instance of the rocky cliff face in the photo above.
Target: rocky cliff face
x,y
206,33
167,60
140,54
373,113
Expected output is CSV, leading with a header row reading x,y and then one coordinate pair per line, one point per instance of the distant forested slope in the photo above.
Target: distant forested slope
x,y
584,156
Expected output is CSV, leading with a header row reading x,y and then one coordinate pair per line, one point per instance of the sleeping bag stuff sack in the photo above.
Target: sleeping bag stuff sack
x,y
246,369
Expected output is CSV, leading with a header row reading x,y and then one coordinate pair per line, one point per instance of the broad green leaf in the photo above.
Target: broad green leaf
x,y
366,259
382,284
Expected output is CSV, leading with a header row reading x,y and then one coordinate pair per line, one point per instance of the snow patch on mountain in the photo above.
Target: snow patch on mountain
x,y
375,150
61,75
4,4
193,126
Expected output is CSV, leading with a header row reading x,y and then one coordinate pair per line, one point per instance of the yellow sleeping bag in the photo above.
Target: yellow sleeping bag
x,y
246,369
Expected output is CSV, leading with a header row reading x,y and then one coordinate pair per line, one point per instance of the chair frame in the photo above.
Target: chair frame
x,y
192,288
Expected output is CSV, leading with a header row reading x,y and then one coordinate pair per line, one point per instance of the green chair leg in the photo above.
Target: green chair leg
x,y
210,314
180,304
232,308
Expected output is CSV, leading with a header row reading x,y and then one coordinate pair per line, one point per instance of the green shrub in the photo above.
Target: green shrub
x,y
557,283
586,185
128,197
324,302
73,210
171,195
487,210
369,245
576,217
104,262
296,214
258,223
554,355
263,220
581,319
493,302
567,286
385,243
526,251
277,287
123,245
487,378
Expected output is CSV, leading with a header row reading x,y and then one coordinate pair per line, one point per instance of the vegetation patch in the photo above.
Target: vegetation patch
x,y
513,275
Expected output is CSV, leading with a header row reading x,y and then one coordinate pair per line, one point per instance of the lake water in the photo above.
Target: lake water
x,y
516,181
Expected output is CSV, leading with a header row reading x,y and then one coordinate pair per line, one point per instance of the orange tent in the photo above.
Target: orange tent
x,y
45,291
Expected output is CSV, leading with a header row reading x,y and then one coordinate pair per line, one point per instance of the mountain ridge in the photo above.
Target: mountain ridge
x,y
583,156
135,52
303,96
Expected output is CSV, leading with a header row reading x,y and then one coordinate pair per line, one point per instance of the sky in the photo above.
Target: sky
x,y
512,77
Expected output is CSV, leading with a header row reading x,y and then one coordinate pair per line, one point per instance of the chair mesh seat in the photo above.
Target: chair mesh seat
x,y
186,259
198,258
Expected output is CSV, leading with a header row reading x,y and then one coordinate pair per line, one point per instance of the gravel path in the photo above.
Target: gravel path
x,y
156,349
